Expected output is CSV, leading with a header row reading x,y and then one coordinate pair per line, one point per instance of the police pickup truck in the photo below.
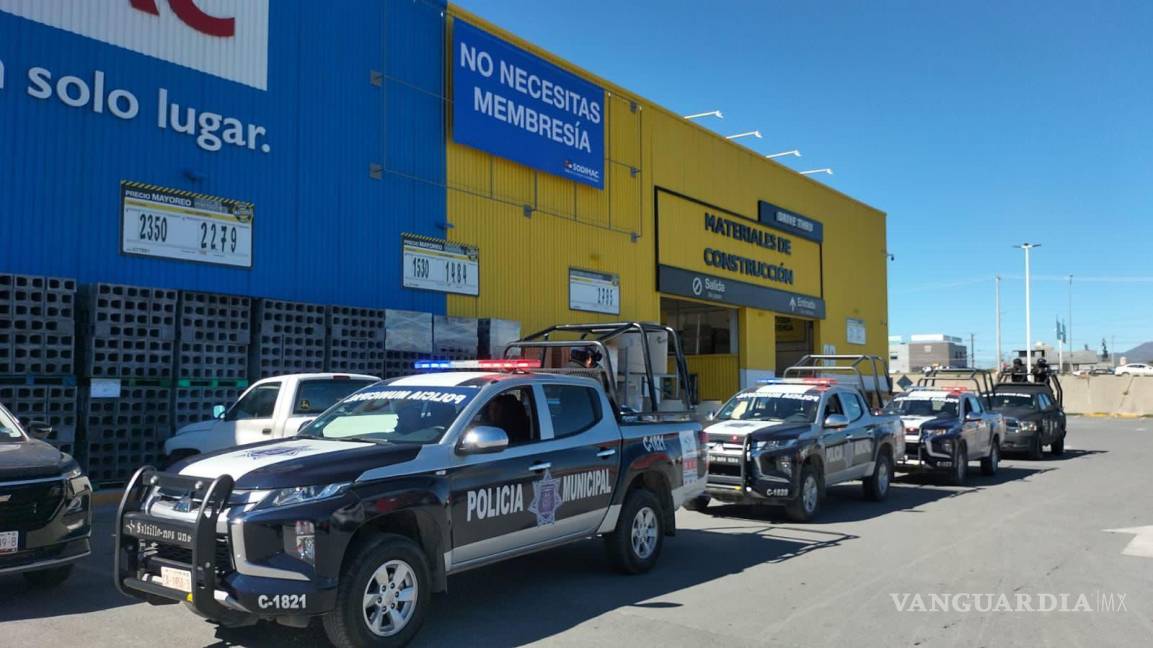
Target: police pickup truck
x,y
1034,417
367,512
948,427
782,442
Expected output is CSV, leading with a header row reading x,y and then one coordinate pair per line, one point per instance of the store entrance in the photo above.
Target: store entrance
x,y
709,336
795,339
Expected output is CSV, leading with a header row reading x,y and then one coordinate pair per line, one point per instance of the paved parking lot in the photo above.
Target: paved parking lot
x,y
739,577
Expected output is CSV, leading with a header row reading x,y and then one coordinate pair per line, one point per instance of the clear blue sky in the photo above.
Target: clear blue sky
x,y
974,125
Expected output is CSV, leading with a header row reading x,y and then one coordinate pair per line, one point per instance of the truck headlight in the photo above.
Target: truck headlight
x,y
1028,426
304,494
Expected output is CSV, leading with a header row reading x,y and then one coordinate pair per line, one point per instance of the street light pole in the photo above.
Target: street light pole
x,y
1028,307
1069,322
997,327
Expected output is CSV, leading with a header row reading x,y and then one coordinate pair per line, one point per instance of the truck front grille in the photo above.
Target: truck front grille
x,y
26,507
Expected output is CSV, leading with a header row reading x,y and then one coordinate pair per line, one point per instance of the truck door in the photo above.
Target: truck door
x,y
249,420
976,433
585,455
492,494
860,435
834,441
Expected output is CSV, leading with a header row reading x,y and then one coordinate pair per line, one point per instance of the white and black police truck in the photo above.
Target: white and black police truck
x,y
367,512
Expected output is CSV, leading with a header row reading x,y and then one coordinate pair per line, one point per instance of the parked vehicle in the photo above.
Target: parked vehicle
x,y
271,408
947,426
1134,369
1034,416
400,485
783,442
45,505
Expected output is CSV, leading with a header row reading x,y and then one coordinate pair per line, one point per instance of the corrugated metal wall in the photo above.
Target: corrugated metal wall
x,y
524,261
348,88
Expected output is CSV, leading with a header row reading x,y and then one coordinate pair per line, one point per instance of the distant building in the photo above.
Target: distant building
x,y
926,350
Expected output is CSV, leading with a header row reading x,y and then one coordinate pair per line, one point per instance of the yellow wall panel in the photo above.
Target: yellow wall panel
x,y
525,261
718,376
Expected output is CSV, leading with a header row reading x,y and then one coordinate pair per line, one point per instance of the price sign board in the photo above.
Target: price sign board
x,y
174,224
594,292
435,264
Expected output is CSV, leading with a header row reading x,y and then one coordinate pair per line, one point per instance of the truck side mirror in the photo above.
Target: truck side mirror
x,y
218,411
836,421
483,439
39,429
972,417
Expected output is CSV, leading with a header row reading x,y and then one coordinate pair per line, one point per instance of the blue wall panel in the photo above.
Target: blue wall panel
x,y
325,230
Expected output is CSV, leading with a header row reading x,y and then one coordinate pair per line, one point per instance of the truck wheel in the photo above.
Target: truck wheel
x,y
382,597
808,501
635,545
1035,447
1058,447
960,464
989,464
45,578
877,486
698,504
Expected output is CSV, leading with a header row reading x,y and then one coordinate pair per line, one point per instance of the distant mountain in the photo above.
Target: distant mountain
x,y
1140,353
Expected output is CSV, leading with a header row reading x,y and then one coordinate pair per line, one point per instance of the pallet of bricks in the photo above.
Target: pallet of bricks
x,y
37,346
455,338
128,338
289,338
355,340
407,339
213,339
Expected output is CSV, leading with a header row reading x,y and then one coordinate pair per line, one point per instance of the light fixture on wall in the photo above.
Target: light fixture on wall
x,y
826,171
711,113
793,153
756,134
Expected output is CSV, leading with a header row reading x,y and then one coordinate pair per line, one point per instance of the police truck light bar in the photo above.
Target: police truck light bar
x,y
519,363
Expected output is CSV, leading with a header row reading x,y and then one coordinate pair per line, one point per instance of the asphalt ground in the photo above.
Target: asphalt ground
x,y
1035,533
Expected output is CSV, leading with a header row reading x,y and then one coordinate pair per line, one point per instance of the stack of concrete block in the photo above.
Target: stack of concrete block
x,y
408,338
214,336
355,340
37,326
496,334
127,432
289,337
129,331
455,338
54,404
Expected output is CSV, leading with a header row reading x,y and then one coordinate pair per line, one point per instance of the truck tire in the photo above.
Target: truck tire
x,y
877,486
960,468
45,578
989,464
634,546
398,605
1035,447
698,503
1058,447
808,501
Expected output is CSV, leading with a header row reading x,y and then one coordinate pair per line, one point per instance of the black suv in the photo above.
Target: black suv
x,y
1034,417
45,506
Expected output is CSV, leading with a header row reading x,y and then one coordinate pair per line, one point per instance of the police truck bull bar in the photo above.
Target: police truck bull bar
x,y
148,545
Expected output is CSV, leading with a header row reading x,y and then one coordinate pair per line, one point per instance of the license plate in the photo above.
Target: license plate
x,y
9,541
724,459
177,579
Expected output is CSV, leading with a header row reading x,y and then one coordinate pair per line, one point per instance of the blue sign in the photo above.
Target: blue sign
x,y
518,106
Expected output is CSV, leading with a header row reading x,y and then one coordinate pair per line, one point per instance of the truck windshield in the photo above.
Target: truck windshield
x,y
756,406
393,414
1006,399
923,405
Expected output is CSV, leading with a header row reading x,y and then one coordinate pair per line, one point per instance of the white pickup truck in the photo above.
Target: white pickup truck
x,y
271,408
